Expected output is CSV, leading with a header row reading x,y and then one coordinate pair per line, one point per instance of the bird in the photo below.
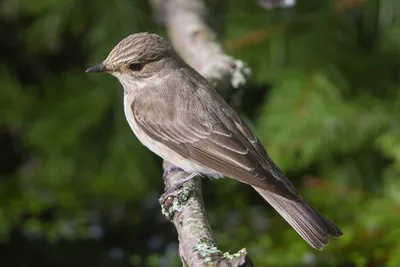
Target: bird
x,y
177,114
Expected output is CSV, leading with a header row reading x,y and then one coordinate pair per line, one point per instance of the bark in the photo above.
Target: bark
x,y
197,43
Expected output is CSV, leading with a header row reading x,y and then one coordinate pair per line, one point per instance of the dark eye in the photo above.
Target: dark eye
x,y
136,66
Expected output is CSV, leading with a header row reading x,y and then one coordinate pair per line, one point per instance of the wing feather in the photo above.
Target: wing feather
x,y
215,138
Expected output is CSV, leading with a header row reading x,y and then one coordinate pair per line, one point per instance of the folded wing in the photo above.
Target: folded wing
x,y
210,134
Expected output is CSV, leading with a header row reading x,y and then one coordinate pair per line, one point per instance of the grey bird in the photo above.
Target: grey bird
x,y
176,113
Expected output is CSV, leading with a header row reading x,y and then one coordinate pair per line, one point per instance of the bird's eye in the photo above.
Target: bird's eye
x,y
136,66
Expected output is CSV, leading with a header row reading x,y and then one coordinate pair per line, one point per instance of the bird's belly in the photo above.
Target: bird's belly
x,y
163,151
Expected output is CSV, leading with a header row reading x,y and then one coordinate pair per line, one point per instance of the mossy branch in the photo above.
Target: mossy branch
x,y
196,42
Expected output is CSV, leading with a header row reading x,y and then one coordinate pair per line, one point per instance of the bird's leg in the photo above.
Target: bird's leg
x,y
173,168
175,186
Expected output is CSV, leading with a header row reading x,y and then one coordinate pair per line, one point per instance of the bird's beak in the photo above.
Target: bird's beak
x,y
97,68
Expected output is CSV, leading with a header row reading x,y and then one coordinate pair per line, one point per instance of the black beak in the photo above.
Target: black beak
x,y
97,68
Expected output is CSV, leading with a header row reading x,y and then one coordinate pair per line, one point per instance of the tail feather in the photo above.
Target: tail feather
x,y
312,226
331,228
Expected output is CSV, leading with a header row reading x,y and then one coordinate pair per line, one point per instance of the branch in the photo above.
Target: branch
x,y
197,43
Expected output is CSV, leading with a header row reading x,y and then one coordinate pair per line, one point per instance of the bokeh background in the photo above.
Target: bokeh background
x,y
77,188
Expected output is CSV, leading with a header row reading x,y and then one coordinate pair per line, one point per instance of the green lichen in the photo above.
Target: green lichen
x,y
240,75
229,256
207,250
210,253
177,203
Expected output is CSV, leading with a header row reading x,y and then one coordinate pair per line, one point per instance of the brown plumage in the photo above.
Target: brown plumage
x,y
176,113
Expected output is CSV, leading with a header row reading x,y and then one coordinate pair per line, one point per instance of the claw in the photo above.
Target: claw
x,y
176,186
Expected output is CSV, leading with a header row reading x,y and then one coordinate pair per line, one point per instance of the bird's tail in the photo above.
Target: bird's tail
x,y
312,226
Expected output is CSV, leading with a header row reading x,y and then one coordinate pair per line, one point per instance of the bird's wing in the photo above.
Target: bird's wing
x,y
212,136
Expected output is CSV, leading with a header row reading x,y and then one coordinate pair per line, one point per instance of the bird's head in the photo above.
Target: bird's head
x,y
137,57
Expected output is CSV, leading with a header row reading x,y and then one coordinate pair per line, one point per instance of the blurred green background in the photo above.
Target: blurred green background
x,y
77,188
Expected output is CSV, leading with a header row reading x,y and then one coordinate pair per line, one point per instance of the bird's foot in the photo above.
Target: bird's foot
x,y
176,186
173,168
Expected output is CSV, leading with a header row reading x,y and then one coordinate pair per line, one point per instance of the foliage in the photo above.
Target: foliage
x,y
76,187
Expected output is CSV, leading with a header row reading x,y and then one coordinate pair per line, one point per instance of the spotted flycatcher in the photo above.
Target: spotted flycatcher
x,y
177,114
